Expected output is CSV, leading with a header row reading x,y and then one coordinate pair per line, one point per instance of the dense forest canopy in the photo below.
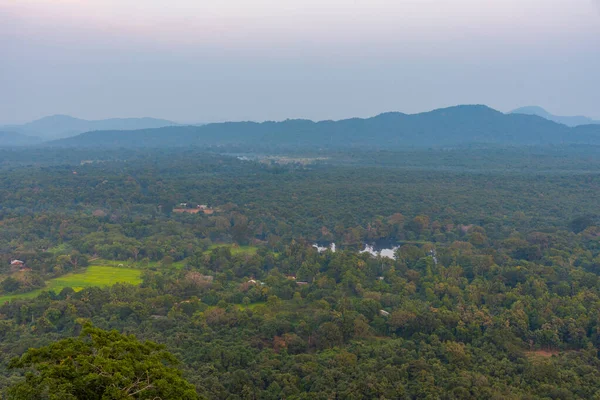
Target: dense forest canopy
x,y
493,291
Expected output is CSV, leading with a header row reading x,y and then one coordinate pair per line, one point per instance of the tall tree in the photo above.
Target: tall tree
x,y
100,365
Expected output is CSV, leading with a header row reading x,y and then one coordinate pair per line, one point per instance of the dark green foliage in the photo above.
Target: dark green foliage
x,y
100,365
10,285
580,224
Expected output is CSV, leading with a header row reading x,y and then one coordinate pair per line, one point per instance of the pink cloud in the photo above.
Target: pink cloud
x,y
271,23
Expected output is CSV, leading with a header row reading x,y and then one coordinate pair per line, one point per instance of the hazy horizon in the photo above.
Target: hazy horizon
x,y
271,60
264,120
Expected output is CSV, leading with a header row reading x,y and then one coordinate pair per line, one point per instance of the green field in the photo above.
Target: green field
x,y
235,250
94,275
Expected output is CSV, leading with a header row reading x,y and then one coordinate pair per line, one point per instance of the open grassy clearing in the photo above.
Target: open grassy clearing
x,y
542,353
60,249
94,275
235,250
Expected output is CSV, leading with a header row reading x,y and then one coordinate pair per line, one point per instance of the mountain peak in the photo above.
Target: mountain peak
x,y
531,110
477,108
56,118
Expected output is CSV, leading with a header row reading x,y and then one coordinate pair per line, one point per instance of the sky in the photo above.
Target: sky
x,y
217,60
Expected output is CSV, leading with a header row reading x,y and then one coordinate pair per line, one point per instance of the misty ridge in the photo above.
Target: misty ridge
x,y
565,120
62,126
453,126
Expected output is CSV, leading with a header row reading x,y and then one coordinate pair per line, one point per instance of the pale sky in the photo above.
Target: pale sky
x,y
202,61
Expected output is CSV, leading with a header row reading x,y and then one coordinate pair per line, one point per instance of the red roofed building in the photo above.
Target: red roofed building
x,y
17,265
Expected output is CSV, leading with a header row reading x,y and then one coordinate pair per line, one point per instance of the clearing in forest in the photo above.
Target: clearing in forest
x,y
94,275
235,250
542,353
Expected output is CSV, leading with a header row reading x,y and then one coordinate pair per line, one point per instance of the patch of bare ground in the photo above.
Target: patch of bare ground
x,y
542,353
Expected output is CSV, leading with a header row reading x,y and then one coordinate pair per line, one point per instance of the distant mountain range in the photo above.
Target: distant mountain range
x,y
569,121
17,139
454,126
61,126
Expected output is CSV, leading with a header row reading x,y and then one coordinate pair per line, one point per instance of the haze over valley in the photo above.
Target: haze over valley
x,y
316,199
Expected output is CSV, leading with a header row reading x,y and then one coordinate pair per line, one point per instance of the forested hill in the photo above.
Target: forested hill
x,y
461,125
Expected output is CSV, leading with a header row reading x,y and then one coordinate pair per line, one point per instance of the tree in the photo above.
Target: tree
x,y
330,335
419,224
579,224
10,285
100,365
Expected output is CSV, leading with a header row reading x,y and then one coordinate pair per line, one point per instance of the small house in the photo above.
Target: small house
x,y
384,313
17,265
